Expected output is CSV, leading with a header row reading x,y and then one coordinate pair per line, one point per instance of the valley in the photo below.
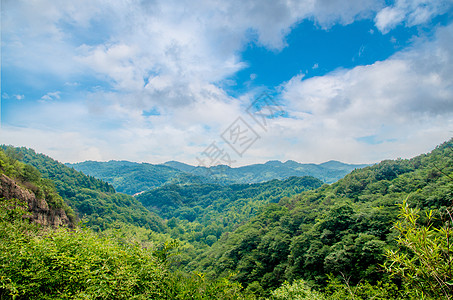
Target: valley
x,y
228,239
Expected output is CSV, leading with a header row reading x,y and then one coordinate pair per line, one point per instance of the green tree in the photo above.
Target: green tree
x,y
424,258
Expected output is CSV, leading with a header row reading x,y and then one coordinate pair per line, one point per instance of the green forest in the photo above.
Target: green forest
x,y
133,178
381,232
201,213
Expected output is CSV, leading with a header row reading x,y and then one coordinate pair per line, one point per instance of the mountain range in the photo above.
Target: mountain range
x,y
383,231
133,178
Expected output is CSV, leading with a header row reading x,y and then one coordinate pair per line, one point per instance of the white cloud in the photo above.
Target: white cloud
x,y
17,97
410,12
51,96
175,56
404,102
137,38
330,12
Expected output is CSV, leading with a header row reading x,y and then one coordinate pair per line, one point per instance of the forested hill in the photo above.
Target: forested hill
x,y
381,232
201,213
341,229
95,201
328,172
133,178
41,258
24,186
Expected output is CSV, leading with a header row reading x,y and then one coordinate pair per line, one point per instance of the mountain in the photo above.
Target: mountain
x,y
328,172
94,201
44,254
22,185
180,166
201,213
342,229
132,178
381,232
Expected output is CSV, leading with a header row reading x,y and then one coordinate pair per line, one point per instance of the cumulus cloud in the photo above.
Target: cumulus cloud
x,y
410,12
51,96
399,101
329,12
135,56
140,40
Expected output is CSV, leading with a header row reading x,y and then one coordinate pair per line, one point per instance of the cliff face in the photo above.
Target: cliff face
x,y
38,208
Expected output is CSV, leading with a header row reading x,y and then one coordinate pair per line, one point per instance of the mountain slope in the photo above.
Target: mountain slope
x,y
132,178
328,172
93,200
40,262
203,212
341,229
23,185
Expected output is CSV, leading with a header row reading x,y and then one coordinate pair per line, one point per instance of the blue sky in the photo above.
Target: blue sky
x,y
356,81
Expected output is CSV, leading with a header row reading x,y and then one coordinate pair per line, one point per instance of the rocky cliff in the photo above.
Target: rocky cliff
x,y
40,212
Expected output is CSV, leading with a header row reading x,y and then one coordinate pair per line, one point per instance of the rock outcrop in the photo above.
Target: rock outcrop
x,y
40,212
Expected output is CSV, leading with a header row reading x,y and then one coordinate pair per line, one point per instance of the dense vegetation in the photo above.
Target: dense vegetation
x,y
132,178
122,262
42,263
382,232
30,178
201,213
92,199
341,229
328,172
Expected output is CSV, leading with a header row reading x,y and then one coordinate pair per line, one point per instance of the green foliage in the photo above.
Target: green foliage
x,y
298,290
342,229
42,263
337,289
132,178
340,289
424,258
328,243
94,200
327,172
197,286
201,213
12,210
30,178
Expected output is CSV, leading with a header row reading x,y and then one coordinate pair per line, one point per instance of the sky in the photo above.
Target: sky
x,y
227,82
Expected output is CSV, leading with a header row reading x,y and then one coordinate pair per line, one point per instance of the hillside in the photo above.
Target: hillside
x,y
41,258
201,213
41,262
95,201
341,229
327,172
23,185
132,178
291,239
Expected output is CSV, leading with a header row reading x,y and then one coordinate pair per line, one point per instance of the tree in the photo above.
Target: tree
x,y
424,258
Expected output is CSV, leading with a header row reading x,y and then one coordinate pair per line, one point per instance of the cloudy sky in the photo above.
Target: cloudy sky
x,y
233,82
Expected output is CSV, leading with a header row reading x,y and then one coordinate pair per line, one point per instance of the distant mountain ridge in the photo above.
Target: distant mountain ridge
x,y
133,178
328,172
92,199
